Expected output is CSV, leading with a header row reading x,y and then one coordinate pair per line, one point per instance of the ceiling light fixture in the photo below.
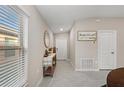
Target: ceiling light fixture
x,y
61,29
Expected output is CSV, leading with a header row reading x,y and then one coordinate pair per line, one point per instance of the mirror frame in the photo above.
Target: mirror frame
x,y
46,33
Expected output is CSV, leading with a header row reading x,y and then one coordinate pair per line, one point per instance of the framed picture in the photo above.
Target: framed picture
x,y
87,35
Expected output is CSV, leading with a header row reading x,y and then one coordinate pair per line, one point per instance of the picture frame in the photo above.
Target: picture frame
x,y
87,35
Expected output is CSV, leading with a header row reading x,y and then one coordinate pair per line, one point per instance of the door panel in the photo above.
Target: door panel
x,y
61,45
107,49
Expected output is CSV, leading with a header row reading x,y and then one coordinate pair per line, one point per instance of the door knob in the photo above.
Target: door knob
x,y
112,52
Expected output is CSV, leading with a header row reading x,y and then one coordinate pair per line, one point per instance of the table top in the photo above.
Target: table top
x,y
51,55
117,73
116,77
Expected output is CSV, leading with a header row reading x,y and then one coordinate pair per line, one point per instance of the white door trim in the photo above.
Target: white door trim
x,y
98,35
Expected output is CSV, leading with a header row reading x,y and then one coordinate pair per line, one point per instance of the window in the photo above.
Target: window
x,y
12,46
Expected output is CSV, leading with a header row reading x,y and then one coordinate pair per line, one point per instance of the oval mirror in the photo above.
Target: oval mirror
x,y
46,39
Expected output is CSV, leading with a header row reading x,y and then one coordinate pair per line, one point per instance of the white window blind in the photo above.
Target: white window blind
x,y
12,52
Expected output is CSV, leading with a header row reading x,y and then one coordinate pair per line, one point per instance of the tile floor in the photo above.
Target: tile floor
x,y
66,76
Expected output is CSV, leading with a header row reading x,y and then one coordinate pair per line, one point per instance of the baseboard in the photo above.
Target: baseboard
x,y
38,83
86,70
78,69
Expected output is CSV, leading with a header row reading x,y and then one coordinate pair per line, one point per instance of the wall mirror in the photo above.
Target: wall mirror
x,y
46,39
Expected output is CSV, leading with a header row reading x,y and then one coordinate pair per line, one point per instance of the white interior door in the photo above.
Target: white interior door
x,y
107,49
61,45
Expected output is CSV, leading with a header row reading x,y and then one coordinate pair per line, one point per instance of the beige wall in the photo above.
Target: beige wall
x,y
89,49
51,38
72,46
36,48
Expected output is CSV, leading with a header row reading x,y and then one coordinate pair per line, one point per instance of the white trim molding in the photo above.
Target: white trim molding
x,y
39,82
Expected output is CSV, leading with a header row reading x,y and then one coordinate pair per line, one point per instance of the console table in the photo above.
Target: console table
x,y
49,64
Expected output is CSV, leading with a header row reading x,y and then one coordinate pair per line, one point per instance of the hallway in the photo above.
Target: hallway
x,y
65,76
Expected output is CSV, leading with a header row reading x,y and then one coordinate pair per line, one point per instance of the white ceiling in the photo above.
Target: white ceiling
x,y
63,16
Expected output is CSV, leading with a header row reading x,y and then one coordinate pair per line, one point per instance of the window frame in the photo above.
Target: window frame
x,y
24,42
